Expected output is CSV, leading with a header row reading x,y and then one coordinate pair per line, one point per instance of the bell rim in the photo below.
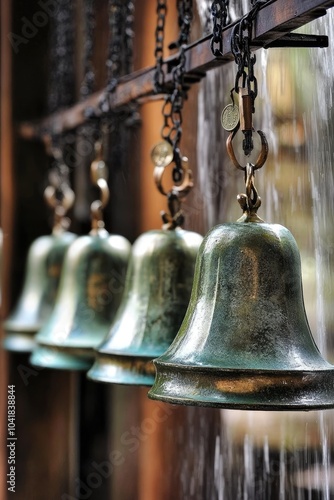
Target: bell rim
x,y
59,359
126,370
327,367
239,406
19,342
274,390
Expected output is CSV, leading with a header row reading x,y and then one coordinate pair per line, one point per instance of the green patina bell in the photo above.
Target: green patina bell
x,y
245,341
90,291
35,304
158,287
42,276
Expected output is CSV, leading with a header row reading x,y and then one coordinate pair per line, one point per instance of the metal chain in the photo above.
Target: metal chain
x,y
159,77
120,52
114,60
61,79
220,17
61,91
165,154
241,49
87,85
185,17
172,112
128,37
172,109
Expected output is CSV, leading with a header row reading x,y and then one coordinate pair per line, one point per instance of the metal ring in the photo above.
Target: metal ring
x,y
261,159
181,189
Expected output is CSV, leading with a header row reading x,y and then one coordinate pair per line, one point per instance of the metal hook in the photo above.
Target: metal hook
x,y
261,159
59,206
182,189
99,175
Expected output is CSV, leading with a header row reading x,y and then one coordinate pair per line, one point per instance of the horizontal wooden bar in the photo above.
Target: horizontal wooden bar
x,y
275,19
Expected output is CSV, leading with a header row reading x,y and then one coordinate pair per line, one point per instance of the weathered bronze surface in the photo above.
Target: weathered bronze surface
x,y
156,297
245,341
90,292
34,306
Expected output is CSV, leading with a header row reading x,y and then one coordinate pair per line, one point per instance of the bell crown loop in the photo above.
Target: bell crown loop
x,y
251,201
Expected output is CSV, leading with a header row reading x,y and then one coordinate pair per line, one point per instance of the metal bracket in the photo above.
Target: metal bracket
x,y
299,40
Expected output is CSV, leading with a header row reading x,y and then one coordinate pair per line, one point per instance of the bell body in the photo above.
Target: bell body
x,y
158,288
91,287
41,281
245,341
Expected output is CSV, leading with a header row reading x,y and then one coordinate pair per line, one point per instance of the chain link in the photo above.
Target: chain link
x,y
129,12
61,74
172,109
87,85
185,17
172,112
245,78
159,77
120,53
240,47
220,17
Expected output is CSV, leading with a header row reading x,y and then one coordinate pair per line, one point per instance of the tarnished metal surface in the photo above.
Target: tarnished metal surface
x,y
245,341
157,293
90,292
34,306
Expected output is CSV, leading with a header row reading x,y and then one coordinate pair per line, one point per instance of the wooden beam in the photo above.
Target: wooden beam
x,y
274,20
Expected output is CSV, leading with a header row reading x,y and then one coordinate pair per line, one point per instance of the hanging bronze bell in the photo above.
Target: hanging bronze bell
x,y
42,276
34,306
158,287
245,341
90,291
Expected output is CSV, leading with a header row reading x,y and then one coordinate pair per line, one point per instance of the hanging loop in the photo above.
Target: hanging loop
x,y
251,201
60,202
162,156
185,185
261,159
58,194
99,175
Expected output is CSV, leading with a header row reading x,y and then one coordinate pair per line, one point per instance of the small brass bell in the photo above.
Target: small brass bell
x,y
158,287
41,281
245,342
90,292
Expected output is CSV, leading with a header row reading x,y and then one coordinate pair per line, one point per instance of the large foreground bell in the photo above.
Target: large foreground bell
x,y
156,297
34,306
90,292
245,341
